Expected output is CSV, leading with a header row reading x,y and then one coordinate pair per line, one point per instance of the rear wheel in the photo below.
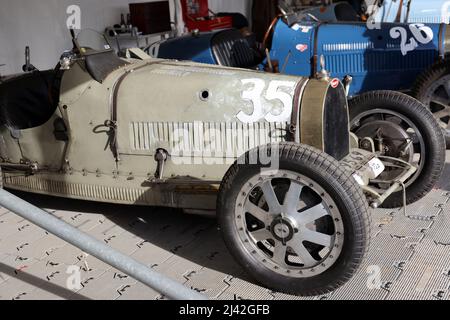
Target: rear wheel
x,y
433,90
303,229
401,127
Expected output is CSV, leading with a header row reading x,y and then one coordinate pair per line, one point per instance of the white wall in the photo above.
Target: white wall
x,y
41,24
243,6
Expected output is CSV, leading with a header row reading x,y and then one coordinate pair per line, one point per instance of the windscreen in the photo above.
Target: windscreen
x,y
90,40
99,58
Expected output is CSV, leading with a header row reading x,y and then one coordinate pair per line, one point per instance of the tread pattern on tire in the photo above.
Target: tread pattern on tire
x,y
426,79
432,74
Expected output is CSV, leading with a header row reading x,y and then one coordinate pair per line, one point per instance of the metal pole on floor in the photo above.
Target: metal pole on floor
x,y
92,246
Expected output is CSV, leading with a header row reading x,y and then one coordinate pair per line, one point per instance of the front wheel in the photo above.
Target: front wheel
x,y
401,127
303,229
432,88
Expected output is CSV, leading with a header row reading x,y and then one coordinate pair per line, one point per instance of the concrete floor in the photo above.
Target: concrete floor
x,y
411,252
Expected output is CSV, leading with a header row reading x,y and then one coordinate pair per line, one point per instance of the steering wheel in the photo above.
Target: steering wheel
x,y
270,31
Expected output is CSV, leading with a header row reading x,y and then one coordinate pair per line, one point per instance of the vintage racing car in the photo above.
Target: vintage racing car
x,y
407,11
384,56
403,11
271,154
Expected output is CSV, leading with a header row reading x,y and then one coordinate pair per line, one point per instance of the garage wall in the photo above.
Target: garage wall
x,y
41,24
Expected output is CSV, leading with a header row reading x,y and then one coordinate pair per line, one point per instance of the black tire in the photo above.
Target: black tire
x,y
428,83
421,117
327,173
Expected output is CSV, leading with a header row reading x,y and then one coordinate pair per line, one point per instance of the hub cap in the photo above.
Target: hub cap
x,y
290,224
283,230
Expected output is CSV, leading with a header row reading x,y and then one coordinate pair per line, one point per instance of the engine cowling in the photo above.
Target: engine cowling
x,y
237,109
